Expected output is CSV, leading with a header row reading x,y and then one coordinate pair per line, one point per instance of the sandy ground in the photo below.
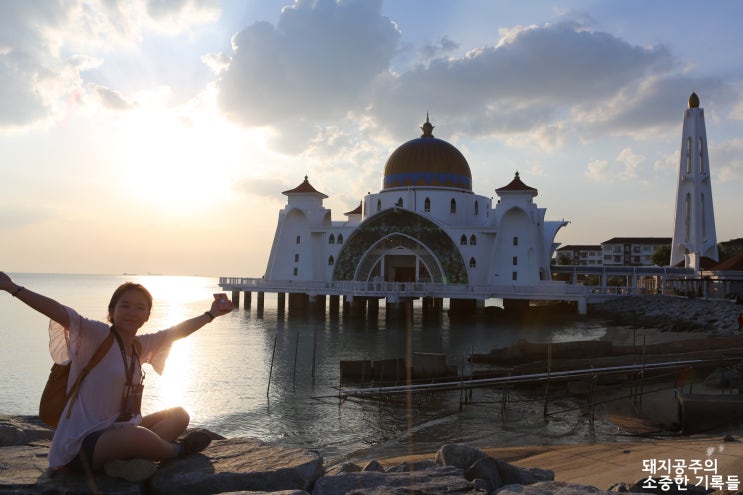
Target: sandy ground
x,y
603,465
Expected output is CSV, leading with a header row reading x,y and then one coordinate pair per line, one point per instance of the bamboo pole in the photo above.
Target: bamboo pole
x,y
270,370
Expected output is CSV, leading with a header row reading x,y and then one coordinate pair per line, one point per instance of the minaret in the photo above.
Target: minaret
x,y
694,223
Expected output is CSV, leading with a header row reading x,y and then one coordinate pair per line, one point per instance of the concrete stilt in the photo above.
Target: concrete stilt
x,y
261,297
582,306
358,307
236,298
248,299
334,304
372,311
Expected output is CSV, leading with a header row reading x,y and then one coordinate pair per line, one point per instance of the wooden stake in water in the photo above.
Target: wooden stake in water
x,y
296,351
314,354
270,370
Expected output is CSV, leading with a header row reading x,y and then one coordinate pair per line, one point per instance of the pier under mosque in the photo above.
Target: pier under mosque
x,y
363,299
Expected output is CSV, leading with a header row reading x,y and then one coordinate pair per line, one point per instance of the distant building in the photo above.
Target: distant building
x,y
583,255
632,251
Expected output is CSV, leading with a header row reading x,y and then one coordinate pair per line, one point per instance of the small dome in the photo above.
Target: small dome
x,y
427,162
693,101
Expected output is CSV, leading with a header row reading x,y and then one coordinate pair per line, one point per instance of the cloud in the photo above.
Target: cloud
x,y
630,160
627,164
109,98
307,70
726,160
45,47
315,65
597,170
263,187
444,45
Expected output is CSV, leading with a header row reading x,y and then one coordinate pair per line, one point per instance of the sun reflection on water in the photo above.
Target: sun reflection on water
x,y
175,299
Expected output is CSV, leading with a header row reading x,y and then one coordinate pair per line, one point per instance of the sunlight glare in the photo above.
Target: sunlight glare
x,y
177,158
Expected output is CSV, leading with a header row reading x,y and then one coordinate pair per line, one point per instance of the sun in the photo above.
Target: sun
x,y
178,158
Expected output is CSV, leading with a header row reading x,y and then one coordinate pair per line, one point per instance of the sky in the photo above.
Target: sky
x,y
156,136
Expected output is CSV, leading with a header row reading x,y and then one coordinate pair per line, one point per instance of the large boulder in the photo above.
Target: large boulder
x,y
434,480
493,473
458,455
21,430
238,464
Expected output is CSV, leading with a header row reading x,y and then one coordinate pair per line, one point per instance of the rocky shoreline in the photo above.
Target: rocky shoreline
x,y
250,466
671,313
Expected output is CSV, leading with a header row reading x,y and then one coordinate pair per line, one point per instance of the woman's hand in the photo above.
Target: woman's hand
x,y
221,305
6,283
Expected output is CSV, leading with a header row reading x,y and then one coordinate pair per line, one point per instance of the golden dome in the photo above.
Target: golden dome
x,y
427,162
693,101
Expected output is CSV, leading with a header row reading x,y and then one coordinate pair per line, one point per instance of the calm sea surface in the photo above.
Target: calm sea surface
x,y
223,374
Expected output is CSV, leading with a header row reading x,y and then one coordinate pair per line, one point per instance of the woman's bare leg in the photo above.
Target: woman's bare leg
x,y
169,424
154,439
130,442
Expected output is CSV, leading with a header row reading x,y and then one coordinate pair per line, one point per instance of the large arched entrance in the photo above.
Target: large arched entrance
x,y
398,245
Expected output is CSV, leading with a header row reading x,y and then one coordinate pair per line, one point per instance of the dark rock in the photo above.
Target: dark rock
x,y
346,467
374,466
406,467
437,480
23,470
458,455
21,430
238,464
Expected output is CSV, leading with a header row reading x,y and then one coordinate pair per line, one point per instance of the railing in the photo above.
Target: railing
x,y
545,290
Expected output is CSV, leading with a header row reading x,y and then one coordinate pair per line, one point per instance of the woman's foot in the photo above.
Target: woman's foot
x,y
194,442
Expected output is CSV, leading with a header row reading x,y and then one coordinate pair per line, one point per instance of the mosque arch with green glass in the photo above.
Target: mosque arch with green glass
x,y
402,246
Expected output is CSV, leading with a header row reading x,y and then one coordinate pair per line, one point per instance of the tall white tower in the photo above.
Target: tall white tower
x,y
694,234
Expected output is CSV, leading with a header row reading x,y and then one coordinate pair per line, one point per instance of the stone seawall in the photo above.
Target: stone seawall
x,y
671,314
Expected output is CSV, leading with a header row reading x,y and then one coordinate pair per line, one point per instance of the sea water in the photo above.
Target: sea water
x,y
276,377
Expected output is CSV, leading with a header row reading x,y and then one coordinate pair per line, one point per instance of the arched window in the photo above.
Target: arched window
x,y
701,155
379,205
399,203
453,205
473,263
688,155
340,238
687,217
331,239
473,240
477,208
427,205
331,261
463,240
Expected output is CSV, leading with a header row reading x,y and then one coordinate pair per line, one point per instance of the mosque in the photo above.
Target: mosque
x,y
426,235
426,227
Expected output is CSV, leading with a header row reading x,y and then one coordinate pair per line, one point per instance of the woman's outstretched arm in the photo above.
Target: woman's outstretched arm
x,y
186,328
44,305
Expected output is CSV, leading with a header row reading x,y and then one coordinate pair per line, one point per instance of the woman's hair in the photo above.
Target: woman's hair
x,y
127,286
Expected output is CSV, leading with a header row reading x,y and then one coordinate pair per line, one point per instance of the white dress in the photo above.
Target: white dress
x,y
99,396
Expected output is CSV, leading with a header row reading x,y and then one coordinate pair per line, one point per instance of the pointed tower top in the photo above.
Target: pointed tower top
x,y
693,101
427,128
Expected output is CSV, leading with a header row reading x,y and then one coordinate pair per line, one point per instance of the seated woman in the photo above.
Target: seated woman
x,y
105,428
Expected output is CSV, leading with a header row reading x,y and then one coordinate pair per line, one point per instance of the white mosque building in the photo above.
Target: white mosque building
x,y
426,230
426,235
